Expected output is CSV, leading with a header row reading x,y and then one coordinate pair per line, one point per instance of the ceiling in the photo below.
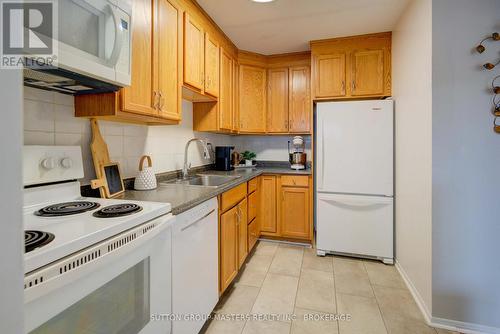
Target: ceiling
x,y
286,26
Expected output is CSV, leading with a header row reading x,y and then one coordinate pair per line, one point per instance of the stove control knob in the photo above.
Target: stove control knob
x,y
48,163
67,163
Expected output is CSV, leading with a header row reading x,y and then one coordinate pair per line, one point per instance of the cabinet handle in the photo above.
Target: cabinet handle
x,y
155,99
343,86
353,86
160,100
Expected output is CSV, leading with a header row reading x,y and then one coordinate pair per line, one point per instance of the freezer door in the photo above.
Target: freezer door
x,y
360,225
355,147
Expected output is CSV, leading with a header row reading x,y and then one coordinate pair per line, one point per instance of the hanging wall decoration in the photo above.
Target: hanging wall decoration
x,y
495,83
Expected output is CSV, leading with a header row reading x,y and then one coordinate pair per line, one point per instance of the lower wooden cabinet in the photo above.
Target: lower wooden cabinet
x,y
228,243
268,208
242,232
253,233
295,212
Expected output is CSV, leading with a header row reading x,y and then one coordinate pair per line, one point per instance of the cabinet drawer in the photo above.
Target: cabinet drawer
x,y
252,185
253,234
295,181
231,197
252,206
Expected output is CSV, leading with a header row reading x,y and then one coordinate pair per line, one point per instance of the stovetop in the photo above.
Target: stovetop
x,y
69,233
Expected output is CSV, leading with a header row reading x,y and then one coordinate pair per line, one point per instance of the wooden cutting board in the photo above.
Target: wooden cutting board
x,y
100,156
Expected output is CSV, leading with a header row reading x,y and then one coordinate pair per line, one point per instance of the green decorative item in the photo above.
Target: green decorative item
x,y
248,156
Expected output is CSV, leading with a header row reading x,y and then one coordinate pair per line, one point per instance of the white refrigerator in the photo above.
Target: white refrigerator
x,y
355,178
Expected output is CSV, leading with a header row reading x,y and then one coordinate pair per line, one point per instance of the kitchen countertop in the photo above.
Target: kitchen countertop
x,y
183,198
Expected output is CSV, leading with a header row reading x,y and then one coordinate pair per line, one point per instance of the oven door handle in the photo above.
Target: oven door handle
x,y
117,48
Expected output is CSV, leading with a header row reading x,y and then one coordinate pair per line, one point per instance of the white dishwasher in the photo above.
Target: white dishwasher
x,y
195,273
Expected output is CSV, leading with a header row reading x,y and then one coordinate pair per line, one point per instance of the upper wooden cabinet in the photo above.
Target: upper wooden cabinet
x,y
352,67
277,100
299,105
252,99
329,75
154,94
194,53
211,66
226,99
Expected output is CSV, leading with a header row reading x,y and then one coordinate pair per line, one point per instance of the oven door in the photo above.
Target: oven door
x,y
93,40
118,286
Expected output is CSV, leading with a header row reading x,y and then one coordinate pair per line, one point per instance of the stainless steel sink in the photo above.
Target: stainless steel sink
x,y
204,180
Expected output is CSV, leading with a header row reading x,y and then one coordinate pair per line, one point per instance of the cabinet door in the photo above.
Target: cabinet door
x,y
228,242
140,96
367,72
252,99
168,21
242,232
211,66
268,204
253,234
194,53
300,106
277,100
329,75
252,205
226,91
294,212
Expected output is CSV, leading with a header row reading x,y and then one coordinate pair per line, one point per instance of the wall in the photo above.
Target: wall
x,y
273,148
11,247
412,91
466,165
49,120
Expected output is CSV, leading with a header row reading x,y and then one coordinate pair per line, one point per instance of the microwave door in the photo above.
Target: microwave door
x,y
90,37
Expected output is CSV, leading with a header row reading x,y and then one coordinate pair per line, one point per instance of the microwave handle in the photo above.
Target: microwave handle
x,y
117,48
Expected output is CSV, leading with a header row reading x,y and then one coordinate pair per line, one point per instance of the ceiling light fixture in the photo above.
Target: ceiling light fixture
x,y
262,1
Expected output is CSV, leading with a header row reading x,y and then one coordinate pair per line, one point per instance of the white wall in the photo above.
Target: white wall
x,y
273,148
412,91
12,245
466,165
49,120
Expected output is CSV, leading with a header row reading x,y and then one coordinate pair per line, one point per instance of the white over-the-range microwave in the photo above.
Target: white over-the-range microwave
x,y
93,48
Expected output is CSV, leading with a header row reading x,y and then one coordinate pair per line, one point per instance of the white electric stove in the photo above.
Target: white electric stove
x,y
103,264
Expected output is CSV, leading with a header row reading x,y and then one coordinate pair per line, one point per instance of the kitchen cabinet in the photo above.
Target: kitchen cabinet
x,y
268,205
226,91
154,96
194,53
253,233
211,66
367,72
299,106
242,232
352,67
329,75
252,99
228,244
277,100
295,212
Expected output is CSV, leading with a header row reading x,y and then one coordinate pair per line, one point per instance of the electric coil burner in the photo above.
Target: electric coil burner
x,y
117,210
66,209
35,239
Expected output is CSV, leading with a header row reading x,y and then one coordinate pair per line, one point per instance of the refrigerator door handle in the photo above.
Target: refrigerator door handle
x,y
322,154
357,204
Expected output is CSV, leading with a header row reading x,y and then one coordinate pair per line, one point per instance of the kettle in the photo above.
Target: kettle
x,y
146,179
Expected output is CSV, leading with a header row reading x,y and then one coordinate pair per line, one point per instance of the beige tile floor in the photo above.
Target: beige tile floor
x,y
287,279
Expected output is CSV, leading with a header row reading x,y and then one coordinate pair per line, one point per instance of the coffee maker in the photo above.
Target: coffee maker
x,y
223,158
297,155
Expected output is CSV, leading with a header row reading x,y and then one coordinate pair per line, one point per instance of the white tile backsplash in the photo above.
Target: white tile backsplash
x,y
49,120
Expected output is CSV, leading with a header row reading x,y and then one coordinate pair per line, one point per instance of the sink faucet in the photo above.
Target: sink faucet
x,y
206,155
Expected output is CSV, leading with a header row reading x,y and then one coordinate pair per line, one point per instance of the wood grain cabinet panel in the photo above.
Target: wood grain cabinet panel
x,y
294,212
226,91
253,234
330,75
169,16
252,99
277,100
211,66
367,72
140,96
299,106
242,232
228,243
194,53
268,204
253,205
